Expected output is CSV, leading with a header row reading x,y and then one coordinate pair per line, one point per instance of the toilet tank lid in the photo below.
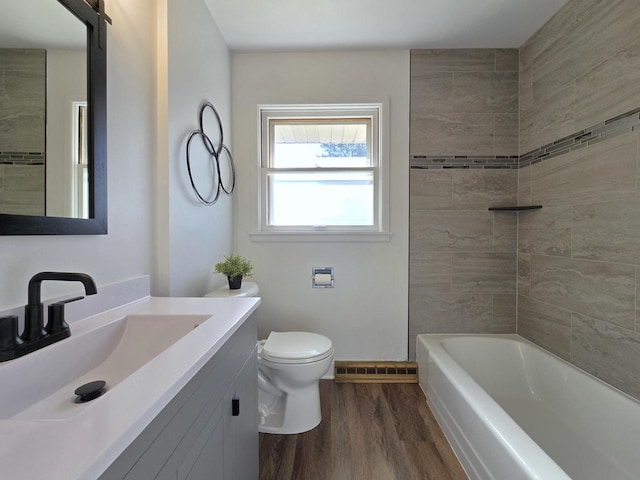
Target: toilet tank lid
x,y
292,345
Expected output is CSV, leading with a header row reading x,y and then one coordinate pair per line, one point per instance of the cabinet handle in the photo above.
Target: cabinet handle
x,y
235,407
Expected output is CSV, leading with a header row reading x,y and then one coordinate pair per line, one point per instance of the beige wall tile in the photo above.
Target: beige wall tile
x,y
507,59
547,120
412,347
452,134
496,329
22,59
609,89
483,273
485,92
546,325
602,172
24,100
550,33
585,7
524,274
580,69
505,231
450,215
601,290
432,92
589,42
607,231
525,80
504,313
430,189
546,231
451,230
22,210
608,352
23,191
484,188
506,138
451,313
637,299
430,272
524,186
453,60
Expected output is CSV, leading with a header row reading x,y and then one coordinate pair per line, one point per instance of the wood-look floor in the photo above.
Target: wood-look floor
x,y
368,432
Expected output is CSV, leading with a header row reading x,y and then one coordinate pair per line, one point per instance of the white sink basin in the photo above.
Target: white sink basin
x,y
42,383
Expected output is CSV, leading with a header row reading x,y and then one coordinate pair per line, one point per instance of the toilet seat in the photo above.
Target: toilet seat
x,y
296,347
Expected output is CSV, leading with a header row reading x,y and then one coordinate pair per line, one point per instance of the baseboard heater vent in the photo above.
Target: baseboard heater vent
x,y
376,372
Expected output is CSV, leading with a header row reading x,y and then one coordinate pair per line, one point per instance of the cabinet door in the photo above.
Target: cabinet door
x,y
241,431
209,465
204,458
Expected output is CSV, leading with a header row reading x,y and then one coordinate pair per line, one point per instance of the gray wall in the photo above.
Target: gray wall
x,y
194,66
365,314
578,257
464,104
22,126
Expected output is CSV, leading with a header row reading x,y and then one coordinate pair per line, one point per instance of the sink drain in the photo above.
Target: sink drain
x,y
89,391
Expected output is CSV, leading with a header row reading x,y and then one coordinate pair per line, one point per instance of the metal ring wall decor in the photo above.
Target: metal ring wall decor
x,y
215,152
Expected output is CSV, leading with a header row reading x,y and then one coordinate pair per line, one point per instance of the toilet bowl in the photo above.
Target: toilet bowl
x,y
290,365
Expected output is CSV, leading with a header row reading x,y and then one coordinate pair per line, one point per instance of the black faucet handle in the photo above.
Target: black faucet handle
x,y
9,338
56,322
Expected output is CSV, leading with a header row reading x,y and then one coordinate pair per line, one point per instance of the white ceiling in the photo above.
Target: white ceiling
x,y
39,24
258,25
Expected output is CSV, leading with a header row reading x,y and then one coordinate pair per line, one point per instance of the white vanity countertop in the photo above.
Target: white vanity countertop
x,y
83,447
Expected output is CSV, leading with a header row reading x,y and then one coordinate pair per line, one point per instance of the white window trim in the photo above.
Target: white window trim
x,y
77,169
379,233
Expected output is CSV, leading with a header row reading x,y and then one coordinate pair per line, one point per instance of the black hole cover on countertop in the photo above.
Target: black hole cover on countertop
x,y
90,391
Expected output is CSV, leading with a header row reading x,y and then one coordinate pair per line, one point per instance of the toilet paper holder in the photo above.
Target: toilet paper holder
x,y
322,277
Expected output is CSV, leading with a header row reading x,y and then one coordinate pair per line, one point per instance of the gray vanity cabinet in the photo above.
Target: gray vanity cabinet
x,y
197,436
240,431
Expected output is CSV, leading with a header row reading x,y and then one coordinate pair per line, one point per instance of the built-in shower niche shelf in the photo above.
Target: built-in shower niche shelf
x,y
515,209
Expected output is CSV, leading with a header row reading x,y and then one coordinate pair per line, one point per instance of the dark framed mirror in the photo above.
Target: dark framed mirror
x,y
53,118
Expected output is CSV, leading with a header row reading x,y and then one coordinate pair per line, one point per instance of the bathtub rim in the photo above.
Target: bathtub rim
x,y
519,338
523,451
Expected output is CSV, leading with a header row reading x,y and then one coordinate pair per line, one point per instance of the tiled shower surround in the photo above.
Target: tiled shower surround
x,y
464,113
578,259
22,130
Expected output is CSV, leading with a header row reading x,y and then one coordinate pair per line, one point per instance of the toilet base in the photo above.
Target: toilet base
x,y
292,413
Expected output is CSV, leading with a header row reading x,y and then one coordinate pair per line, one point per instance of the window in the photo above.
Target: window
x,y
320,169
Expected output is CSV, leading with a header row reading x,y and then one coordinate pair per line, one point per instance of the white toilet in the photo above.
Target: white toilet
x,y
290,365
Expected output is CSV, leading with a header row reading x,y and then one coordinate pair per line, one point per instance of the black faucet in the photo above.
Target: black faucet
x,y
35,334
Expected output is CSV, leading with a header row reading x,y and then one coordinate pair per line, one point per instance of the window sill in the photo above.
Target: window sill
x,y
315,237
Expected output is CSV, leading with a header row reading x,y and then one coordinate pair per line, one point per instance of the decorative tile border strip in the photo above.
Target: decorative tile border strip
x,y
613,127
464,161
22,158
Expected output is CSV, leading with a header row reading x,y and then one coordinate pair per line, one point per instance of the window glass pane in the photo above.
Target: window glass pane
x,y
323,144
321,198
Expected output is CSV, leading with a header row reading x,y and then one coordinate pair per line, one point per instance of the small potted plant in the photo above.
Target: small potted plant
x,y
235,267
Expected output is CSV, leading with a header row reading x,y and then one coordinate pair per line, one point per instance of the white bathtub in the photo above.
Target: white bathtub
x,y
513,411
